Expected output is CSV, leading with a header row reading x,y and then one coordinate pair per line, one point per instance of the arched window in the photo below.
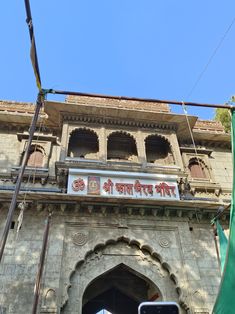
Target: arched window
x,y
83,143
158,150
198,169
36,157
121,146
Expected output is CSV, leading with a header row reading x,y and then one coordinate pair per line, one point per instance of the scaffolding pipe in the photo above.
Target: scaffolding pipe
x,y
173,102
20,175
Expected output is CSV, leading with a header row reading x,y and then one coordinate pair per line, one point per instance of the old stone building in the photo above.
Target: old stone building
x,y
131,201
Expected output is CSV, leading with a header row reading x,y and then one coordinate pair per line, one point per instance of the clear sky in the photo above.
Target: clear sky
x,y
140,48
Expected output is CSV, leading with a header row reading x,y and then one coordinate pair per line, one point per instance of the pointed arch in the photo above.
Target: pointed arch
x,y
123,283
149,256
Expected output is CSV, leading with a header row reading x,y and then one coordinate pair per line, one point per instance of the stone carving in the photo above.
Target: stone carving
x,y
50,297
164,241
80,238
62,177
145,253
185,189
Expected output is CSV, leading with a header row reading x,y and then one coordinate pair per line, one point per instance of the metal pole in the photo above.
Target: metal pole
x,y
216,244
173,102
41,265
20,175
29,21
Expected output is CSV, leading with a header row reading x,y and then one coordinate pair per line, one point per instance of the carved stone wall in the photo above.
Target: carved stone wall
x,y
138,135
174,249
9,152
106,257
221,163
83,246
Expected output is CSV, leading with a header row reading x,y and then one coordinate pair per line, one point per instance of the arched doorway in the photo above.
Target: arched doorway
x,y
115,270
119,291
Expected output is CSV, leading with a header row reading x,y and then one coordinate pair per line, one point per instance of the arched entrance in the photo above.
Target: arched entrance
x,y
119,291
117,272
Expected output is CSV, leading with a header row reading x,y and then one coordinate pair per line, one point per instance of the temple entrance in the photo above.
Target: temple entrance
x,y
119,291
117,277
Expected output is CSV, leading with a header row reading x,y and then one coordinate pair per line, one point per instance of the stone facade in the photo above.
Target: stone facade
x,y
126,249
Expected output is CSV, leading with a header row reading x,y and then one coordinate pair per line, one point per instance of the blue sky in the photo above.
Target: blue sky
x,y
152,49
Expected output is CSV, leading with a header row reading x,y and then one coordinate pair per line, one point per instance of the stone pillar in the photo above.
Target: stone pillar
x,y
176,151
64,141
102,144
140,143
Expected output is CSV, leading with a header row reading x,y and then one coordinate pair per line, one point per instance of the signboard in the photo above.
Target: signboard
x,y
122,184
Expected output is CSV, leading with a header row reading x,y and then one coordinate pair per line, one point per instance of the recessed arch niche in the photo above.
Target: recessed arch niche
x,y
158,150
83,143
121,146
198,169
36,156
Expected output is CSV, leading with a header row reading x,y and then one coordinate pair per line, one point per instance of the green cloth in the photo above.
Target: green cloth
x,y
223,242
225,302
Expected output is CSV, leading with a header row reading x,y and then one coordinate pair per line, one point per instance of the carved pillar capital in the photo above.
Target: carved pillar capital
x,y
62,178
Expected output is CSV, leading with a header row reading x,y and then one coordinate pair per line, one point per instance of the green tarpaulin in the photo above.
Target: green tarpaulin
x,y
225,302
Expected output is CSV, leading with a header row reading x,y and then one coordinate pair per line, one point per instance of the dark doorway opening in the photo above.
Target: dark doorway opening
x,y
119,291
112,300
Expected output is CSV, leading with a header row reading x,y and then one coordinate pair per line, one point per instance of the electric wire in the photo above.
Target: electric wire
x,y
211,58
195,85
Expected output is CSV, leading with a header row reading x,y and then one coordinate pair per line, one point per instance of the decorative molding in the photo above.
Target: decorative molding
x,y
164,241
80,238
122,122
200,150
179,287
31,174
38,136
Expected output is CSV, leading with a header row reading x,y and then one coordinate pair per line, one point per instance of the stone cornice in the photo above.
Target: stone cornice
x,y
18,115
191,149
38,136
119,166
56,110
197,210
24,127
16,106
208,142
119,122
